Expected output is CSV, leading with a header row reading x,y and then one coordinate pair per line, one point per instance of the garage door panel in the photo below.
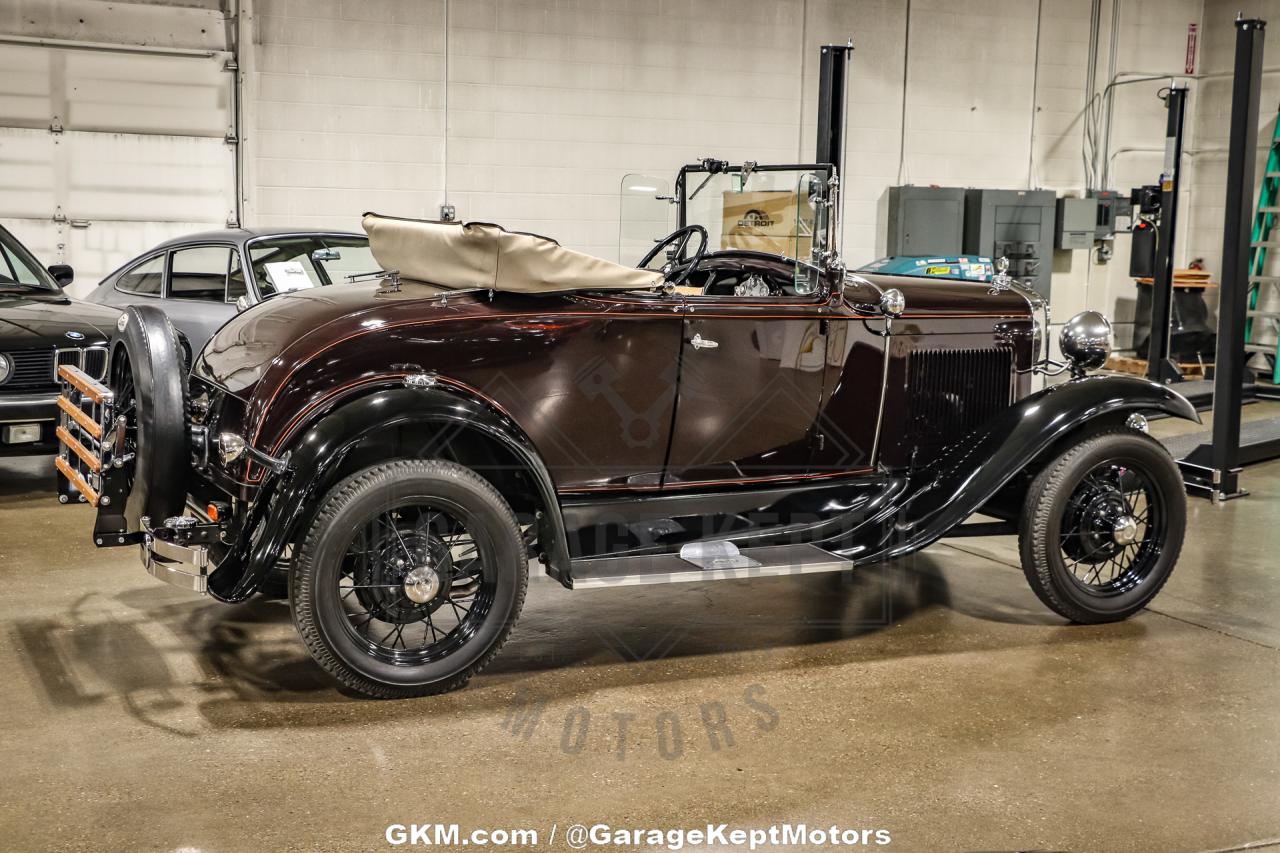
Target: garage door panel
x,y
122,176
134,93
27,172
25,86
109,91
105,154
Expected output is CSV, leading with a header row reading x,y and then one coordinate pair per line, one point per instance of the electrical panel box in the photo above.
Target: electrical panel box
x,y
1077,223
1111,206
925,221
1013,224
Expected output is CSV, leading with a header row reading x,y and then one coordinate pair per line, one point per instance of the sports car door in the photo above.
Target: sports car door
x,y
751,375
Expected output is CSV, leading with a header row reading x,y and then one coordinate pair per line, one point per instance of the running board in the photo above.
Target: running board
x,y
769,561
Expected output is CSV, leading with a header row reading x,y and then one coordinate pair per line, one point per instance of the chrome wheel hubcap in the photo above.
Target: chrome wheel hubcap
x,y
421,584
1125,530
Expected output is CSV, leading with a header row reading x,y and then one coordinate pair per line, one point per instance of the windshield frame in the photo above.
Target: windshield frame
x,y
247,260
823,231
14,245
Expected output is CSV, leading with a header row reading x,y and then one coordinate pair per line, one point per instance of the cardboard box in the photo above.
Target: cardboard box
x,y
765,221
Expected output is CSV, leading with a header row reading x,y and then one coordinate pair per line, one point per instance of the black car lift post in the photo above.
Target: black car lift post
x,y
831,98
1214,467
1160,367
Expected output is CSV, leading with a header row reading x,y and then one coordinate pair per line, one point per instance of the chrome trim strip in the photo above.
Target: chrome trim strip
x,y
642,570
1036,304
874,459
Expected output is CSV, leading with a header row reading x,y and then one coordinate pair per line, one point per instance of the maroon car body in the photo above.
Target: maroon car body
x,y
730,417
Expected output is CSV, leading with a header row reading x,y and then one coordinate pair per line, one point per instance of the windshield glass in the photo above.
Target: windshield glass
x,y
777,211
297,262
19,269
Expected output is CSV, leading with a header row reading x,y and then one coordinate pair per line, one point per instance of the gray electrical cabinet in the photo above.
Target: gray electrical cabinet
x,y
925,221
1013,224
1077,223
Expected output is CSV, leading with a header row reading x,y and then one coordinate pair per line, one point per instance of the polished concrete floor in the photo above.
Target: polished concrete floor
x,y
933,697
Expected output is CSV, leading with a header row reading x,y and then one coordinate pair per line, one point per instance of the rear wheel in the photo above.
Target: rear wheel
x,y
1102,527
409,579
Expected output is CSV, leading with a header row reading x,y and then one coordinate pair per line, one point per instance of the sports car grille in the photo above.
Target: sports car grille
x,y
953,391
38,368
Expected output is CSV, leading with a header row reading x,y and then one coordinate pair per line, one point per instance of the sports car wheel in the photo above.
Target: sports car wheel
x,y
409,579
1102,527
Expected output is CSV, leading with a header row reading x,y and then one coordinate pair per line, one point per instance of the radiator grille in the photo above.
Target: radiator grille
x,y
953,391
32,368
38,368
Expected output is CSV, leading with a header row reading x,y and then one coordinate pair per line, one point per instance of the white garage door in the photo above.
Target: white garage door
x,y
103,154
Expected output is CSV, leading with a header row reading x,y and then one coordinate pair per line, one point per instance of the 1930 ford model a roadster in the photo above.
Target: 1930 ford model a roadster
x,y
397,449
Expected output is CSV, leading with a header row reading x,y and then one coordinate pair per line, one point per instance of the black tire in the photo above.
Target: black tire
x,y
328,557
1106,479
149,381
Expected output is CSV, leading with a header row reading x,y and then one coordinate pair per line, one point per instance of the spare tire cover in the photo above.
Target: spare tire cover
x,y
162,461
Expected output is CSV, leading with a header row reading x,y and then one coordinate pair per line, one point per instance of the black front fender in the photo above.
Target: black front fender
x,y
943,495
285,500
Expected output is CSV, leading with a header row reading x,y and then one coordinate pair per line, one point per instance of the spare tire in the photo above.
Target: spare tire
x,y
150,386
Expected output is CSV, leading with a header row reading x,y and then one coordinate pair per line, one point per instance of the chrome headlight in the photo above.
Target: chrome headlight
x,y
230,447
1086,340
6,368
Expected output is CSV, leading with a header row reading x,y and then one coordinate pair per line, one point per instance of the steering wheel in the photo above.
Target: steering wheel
x,y
676,272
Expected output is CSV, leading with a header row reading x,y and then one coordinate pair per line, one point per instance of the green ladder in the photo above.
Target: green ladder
x,y
1264,219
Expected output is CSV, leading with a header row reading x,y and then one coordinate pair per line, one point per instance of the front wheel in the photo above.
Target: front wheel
x,y
1102,527
409,578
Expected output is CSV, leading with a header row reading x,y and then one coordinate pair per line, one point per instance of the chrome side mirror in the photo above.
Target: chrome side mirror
x,y
242,302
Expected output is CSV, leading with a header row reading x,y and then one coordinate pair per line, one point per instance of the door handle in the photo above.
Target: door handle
x,y
699,342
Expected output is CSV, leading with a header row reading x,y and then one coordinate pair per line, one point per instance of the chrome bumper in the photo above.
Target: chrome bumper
x,y
185,566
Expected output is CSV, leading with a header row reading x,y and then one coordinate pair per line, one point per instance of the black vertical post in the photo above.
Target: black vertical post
x,y
1160,367
831,97
1222,457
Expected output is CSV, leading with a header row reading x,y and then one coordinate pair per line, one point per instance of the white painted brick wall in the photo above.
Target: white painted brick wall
x,y
552,102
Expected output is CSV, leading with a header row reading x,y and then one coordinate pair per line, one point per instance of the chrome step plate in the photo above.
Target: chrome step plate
x,y
773,561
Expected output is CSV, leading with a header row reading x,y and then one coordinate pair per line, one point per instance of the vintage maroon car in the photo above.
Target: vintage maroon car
x,y
397,449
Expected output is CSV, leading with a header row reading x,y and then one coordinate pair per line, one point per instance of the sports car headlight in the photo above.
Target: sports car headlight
x,y
6,368
1086,340
230,447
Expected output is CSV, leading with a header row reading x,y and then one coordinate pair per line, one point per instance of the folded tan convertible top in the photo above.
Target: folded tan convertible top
x,y
478,254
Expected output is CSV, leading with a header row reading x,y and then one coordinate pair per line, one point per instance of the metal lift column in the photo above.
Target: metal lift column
x,y
1160,367
831,97
1216,466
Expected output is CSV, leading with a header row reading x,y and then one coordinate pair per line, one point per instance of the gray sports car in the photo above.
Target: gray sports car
x,y
200,280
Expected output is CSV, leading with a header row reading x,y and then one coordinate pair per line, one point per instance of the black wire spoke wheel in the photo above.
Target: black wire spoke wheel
x,y
413,584
1113,530
409,578
1102,526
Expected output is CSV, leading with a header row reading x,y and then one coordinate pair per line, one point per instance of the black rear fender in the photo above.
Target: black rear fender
x,y
392,423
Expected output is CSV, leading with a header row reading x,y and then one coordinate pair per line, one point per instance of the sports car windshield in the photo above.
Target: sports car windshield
x,y
18,269
296,262
778,210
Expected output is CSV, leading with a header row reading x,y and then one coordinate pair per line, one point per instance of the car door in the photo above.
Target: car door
x,y
197,298
751,378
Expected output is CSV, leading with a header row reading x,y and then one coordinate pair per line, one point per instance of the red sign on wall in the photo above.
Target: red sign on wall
x,y
1191,48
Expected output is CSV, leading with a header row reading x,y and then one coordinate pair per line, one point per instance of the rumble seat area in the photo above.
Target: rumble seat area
x,y
464,255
